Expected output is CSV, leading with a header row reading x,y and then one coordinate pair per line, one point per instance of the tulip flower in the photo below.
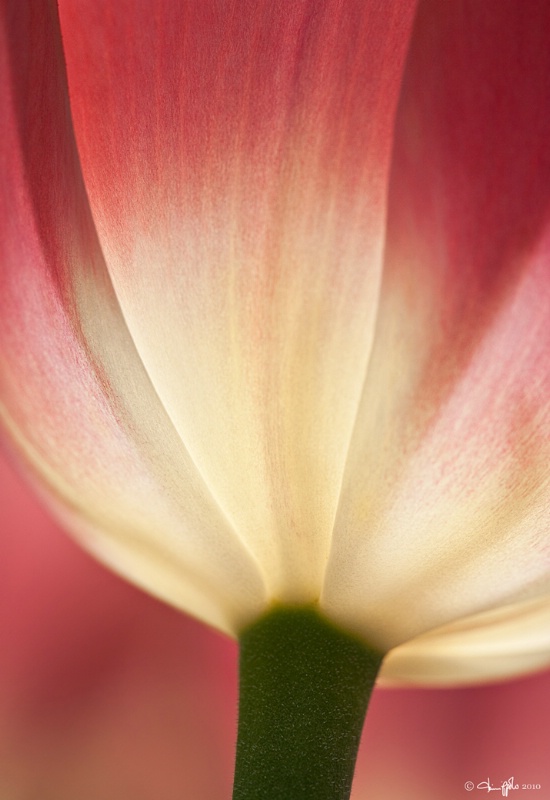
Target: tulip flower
x,y
274,337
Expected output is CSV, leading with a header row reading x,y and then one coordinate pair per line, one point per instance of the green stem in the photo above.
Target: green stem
x,y
304,691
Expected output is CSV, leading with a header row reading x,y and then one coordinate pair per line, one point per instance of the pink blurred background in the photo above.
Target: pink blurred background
x,y
106,694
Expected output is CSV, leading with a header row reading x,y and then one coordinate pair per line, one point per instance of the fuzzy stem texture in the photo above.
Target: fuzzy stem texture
x,y
304,690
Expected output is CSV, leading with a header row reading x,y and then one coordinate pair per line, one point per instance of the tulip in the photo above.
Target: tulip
x,y
274,336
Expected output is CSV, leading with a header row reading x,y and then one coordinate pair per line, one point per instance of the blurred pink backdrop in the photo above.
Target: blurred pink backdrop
x,y
106,694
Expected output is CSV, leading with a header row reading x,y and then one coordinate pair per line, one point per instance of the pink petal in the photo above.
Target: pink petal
x,y
445,507
236,158
75,395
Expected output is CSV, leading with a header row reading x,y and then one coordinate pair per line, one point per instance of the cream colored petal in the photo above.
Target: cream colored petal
x,y
436,526
495,645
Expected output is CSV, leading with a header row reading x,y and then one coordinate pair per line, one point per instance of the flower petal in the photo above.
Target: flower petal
x,y
508,641
445,506
236,158
74,393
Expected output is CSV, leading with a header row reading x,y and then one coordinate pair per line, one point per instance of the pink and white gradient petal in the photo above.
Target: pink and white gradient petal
x,y
444,508
243,230
75,395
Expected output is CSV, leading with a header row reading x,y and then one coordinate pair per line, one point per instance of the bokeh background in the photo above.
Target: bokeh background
x,y
107,694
